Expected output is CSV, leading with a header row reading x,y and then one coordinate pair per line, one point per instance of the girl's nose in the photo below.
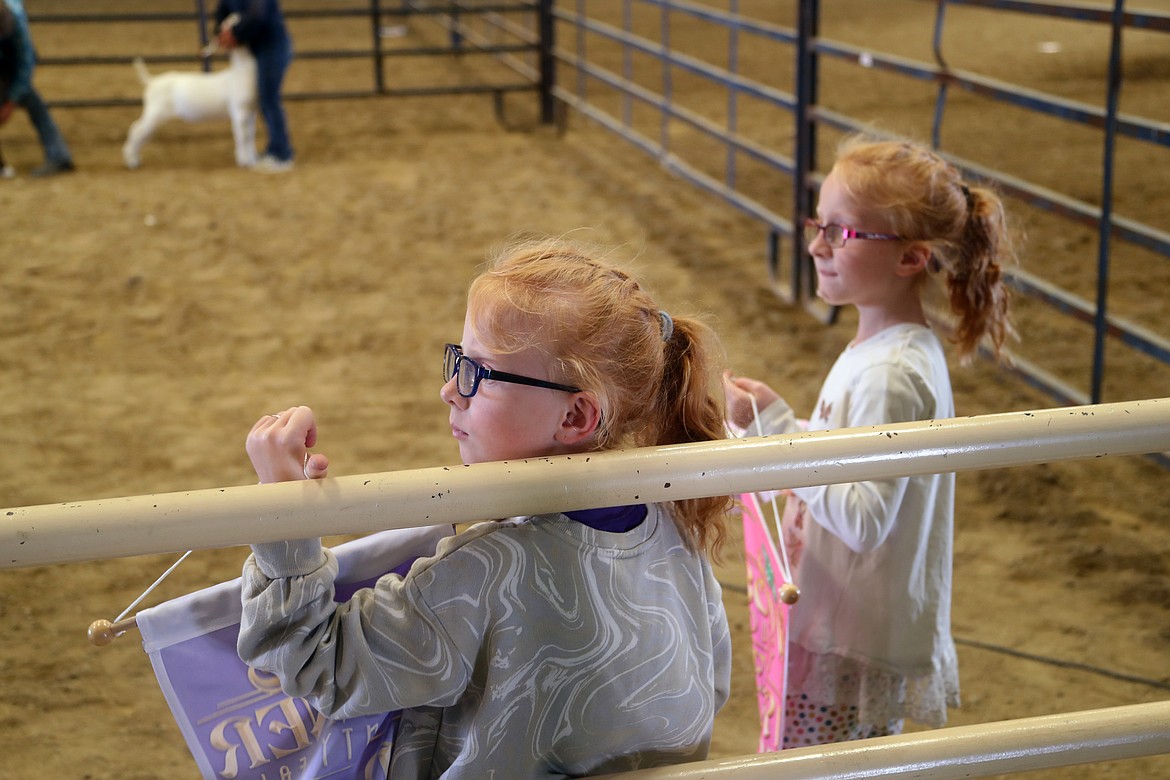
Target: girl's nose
x,y
450,394
819,246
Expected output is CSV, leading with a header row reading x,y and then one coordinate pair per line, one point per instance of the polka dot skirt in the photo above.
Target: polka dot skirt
x,y
808,723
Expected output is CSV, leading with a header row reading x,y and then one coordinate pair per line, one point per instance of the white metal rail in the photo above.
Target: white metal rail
x,y
224,517
1026,744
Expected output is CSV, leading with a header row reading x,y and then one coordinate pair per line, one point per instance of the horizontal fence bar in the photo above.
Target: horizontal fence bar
x,y
671,162
1044,381
224,517
1081,12
693,65
730,21
1069,208
387,92
1062,108
1078,308
1025,744
519,6
676,166
318,54
480,44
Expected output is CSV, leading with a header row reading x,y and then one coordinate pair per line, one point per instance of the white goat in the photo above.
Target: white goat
x,y
196,96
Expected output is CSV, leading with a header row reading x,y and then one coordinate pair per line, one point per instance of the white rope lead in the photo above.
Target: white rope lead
x,y
157,582
102,632
785,566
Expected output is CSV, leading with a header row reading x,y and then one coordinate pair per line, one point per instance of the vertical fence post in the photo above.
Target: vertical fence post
x,y
1105,224
201,20
774,254
580,49
732,93
667,81
379,57
806,139
940,101
627,64
548,63
456,34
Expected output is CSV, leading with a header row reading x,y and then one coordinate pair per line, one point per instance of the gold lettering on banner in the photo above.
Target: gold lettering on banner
x,y
263,681
292,722
380,760
319,720
219,741
296,726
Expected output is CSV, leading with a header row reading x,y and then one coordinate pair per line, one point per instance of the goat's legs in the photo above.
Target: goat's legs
x,y
140,132
244,133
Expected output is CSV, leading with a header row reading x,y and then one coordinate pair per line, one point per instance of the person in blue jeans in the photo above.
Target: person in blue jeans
x,y
260,26
17,62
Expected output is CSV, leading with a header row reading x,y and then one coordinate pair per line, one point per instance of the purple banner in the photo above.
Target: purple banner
x,y
237,722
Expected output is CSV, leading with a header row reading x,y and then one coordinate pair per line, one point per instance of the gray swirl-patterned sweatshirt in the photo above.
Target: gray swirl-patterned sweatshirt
x,y
536,647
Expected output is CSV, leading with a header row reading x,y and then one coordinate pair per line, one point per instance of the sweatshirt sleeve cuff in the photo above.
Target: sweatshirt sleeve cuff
x,y
289,559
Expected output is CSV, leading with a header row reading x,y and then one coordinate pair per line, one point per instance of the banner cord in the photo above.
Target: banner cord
x,y
157,582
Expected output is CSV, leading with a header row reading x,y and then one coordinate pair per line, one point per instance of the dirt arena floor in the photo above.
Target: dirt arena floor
x,y
150,316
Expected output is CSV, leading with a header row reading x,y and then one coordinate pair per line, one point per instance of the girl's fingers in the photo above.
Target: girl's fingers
x,y
316,465
267,421
278,446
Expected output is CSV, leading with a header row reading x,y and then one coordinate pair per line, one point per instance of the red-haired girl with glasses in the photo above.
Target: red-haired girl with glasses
x,y
870,637
559,645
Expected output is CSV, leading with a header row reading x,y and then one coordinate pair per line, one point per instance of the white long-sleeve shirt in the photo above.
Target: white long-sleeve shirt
x,y
875,570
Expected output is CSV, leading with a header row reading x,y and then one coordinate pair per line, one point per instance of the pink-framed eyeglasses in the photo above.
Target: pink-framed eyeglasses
x,y
837,235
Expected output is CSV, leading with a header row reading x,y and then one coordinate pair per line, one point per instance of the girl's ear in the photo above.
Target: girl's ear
x,y
580,420
915,259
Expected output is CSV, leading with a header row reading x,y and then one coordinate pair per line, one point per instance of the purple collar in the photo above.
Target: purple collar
x,y
613,519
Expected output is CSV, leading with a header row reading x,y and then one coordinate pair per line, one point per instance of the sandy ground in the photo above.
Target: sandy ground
x,y
150,316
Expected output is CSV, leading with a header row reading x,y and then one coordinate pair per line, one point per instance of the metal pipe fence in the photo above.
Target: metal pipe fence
x,y
90,530
508,45
794,159
564,53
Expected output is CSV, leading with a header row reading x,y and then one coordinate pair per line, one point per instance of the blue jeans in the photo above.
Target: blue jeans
x,y
51,139
272,60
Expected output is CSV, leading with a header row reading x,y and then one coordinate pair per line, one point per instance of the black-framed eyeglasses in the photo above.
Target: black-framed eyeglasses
x,y
837,235
469,374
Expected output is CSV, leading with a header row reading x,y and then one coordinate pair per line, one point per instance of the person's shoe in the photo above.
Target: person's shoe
x,y
52,168
269,164
7,172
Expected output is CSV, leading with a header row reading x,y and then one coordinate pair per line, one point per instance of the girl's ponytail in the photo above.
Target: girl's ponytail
x,y
690,412
977,292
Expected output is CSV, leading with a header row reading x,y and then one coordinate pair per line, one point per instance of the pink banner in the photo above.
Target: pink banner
x,y
769,622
